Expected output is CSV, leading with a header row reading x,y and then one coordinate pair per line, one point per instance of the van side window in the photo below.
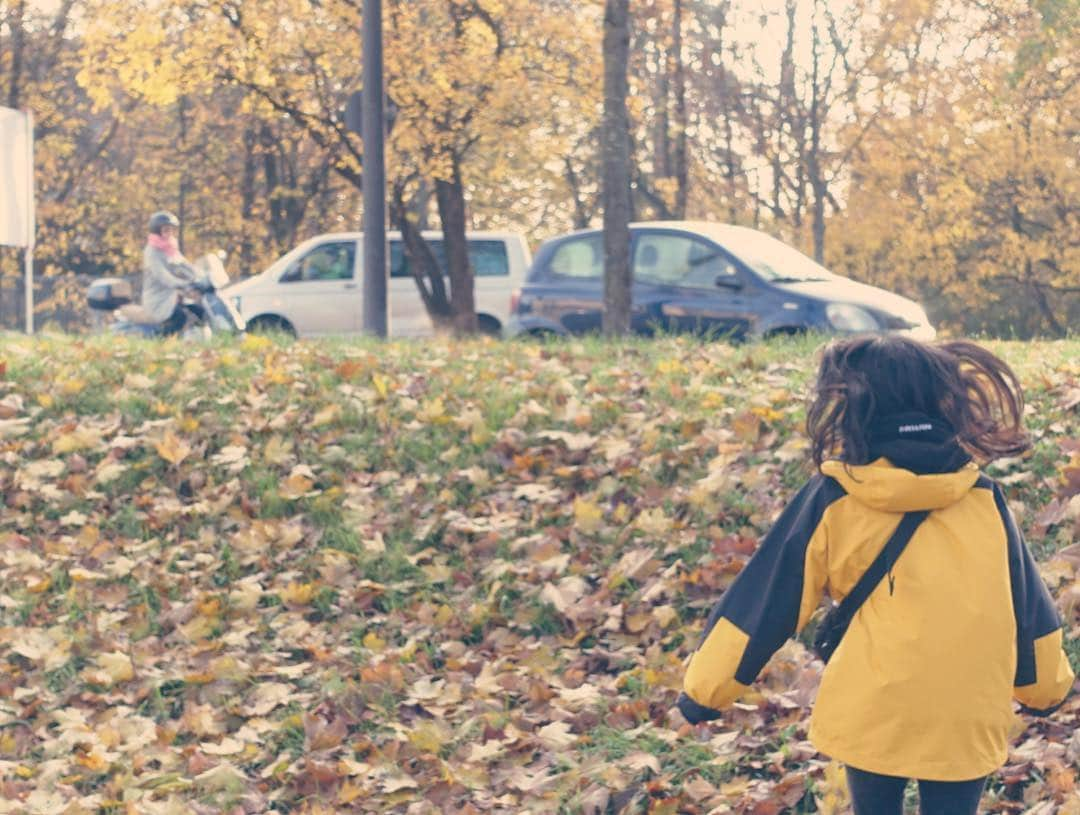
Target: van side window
x,y
330,261
579,257
488,258
399,266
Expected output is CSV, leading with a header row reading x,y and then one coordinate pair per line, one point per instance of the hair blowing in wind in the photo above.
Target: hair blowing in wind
x,y
864,378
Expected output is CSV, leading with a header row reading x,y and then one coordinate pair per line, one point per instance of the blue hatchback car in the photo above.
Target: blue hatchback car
x,y
704,278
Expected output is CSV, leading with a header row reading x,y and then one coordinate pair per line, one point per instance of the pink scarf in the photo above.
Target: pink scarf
x,y
167,245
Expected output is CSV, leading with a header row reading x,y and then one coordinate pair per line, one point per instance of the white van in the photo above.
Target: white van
x,y
317,288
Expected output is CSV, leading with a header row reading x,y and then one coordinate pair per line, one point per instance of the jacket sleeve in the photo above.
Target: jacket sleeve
x,y
770,600
1043,673
175,276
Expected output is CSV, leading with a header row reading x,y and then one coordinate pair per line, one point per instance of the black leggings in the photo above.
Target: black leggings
x,y
873,794
177,321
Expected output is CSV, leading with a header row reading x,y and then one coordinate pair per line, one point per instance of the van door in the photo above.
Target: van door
x,y
408,316
492,285
319,290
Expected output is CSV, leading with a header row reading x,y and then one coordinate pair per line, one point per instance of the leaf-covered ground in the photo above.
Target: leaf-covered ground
x,y
327,577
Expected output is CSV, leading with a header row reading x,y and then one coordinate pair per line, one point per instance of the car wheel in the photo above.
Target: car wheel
x,y
789,331
270,324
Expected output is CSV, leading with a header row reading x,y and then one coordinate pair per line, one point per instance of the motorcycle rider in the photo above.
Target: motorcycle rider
x,y
166,273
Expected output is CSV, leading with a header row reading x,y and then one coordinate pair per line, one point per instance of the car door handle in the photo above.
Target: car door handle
x,y
350,285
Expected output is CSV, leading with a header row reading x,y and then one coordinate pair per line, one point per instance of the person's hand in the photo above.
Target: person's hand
x,y
677,722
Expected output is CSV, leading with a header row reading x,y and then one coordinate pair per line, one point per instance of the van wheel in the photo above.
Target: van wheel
x,y
488,326
543,335
271,324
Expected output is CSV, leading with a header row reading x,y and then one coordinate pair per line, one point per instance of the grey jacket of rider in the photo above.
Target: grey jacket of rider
x,y
162,282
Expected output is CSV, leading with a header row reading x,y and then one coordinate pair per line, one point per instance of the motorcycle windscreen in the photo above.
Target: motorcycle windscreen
x,y
214,270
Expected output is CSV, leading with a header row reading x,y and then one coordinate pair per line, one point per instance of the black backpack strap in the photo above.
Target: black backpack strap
x,y
882,564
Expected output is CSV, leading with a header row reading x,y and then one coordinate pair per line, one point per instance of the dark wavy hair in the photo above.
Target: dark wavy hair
x,y
866,377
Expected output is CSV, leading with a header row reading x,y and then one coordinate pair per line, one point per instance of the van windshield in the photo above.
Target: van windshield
x,y
774,260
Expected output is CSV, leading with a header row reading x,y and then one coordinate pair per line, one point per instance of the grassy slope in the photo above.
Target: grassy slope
x,y
346,575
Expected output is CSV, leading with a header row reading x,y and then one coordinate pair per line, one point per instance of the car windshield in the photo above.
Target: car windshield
x,y
773,260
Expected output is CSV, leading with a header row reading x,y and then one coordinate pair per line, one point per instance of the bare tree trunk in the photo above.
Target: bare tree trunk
x,y
616,175
450,194
428,276
729,170
680,152
728,111
277,224
247,201
1056,328
790,115
1038,294
181,110
582,212
17,22
417,207
422,262
817,180
661,93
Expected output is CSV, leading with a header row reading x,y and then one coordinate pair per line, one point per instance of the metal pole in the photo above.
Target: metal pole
x,y
29,289
30,225
374,180
182,202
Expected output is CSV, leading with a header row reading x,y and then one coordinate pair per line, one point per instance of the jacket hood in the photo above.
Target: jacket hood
x,y
916,441
882,486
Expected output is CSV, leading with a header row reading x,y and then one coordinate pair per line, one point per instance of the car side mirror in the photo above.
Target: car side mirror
x,y
726,281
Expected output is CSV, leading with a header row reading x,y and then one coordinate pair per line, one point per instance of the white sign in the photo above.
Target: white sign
x,y
16,179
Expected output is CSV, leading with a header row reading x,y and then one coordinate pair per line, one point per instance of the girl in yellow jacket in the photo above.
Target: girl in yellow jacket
x,y
922,682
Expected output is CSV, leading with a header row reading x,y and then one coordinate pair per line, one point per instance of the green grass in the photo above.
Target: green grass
x,y
457,582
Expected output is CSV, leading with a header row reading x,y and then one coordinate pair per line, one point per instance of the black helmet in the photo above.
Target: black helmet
x,y
163,219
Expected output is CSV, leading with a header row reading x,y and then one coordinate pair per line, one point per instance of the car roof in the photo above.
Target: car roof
x,y
709,228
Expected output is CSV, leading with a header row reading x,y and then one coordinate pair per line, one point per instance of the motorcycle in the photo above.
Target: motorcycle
x,y
206,313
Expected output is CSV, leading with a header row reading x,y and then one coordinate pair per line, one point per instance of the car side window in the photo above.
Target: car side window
x,y
581,258
679,260
329,261
708,266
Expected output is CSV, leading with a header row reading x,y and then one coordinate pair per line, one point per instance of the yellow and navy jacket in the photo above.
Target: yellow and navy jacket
x,y
922,683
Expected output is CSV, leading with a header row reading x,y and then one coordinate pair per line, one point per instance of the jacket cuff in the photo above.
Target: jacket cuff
x,y
1034,711
695,713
